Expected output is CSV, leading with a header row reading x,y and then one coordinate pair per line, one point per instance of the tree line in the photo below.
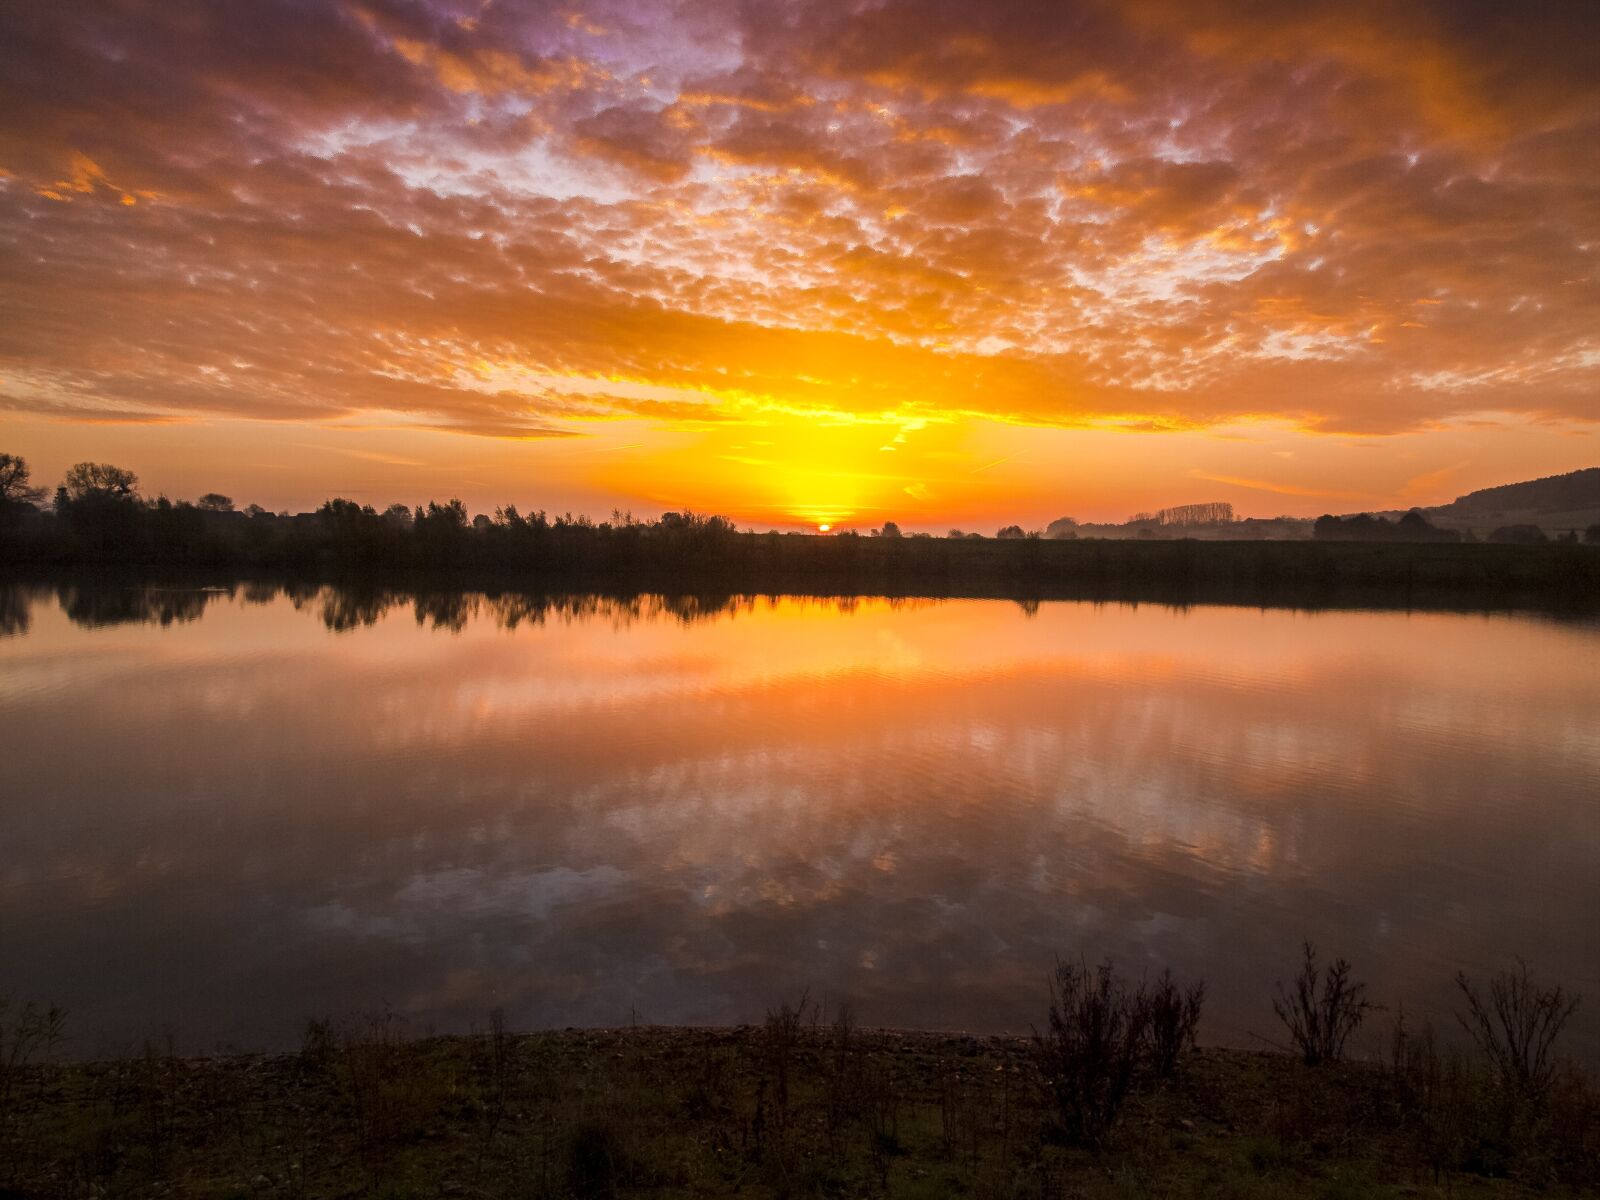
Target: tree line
x,y
98,518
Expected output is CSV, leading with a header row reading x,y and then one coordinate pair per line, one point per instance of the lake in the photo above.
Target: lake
x,y
226,811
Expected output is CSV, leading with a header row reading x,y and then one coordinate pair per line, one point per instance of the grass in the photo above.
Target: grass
x,y
798,1107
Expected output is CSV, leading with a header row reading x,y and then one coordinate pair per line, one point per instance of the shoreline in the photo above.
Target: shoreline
x,y
694,598
1308,574
775,1110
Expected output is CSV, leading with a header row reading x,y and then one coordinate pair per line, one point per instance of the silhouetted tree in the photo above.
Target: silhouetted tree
x,y
214,502
441,531
1364,527
15,487
100,481
1216,513
1519,535
1011,532
99,505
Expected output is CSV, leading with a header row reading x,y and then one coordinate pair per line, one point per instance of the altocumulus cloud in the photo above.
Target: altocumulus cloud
x,y
510,219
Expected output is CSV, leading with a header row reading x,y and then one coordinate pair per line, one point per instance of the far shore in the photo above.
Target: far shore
x,y
1553,578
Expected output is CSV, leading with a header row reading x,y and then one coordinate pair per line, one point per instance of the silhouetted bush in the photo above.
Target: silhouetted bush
x,y
391,1090
780,1045
28,1036
1323,1009
1572,1125
1462,1113
1437,1097
1092,1048
1174,1016
1517,1025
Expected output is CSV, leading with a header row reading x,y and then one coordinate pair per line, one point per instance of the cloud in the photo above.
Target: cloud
x,y
1134,216
1279,489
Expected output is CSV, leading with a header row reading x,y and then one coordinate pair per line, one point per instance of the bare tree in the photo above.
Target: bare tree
x,y
89,480
14,485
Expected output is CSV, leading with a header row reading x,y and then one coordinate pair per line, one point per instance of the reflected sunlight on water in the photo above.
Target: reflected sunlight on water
x,y
228,812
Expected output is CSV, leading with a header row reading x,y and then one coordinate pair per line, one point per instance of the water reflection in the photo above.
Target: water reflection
x,y
581,807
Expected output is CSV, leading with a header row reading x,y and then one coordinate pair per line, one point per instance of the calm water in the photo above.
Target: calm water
x,y
222,813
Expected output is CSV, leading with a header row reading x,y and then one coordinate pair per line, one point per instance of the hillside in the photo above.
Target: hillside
x,y
1556,503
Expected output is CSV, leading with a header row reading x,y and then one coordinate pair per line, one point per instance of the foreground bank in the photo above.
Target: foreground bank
x,y
789,1109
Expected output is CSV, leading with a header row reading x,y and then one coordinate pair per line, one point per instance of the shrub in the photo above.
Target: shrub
x,y
1572,1123
1323,1010
1516,1027
26,1040
1437,1096
393,1088
843,1071
780,1046
1093,1047
1174,1015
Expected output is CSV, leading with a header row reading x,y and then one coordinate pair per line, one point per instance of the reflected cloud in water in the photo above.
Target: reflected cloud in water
x,y
579,808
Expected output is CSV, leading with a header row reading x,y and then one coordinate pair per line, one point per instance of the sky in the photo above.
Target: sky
x,y
823,261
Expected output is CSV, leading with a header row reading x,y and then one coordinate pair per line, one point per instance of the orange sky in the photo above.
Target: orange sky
x,y
936,262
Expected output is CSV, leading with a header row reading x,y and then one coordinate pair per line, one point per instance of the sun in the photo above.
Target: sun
x,y
824,528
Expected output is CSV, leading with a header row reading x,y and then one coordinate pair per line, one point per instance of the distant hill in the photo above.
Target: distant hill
x,y
1552,494
1556,503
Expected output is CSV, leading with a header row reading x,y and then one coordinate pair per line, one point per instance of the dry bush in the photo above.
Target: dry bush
x,y
1436,1095
1174,1016
1572,1124
1094,1044
493,1068
1516,1027
961,1113
392,1088
843,1081
1469,1114
1323,1010
780,1045
880,1116
26,1040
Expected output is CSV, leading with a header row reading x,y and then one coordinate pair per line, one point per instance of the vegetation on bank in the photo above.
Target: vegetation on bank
x,y
1111,1099
99,522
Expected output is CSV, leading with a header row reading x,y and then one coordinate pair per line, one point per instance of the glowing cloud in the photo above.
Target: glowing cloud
x,y
921,224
